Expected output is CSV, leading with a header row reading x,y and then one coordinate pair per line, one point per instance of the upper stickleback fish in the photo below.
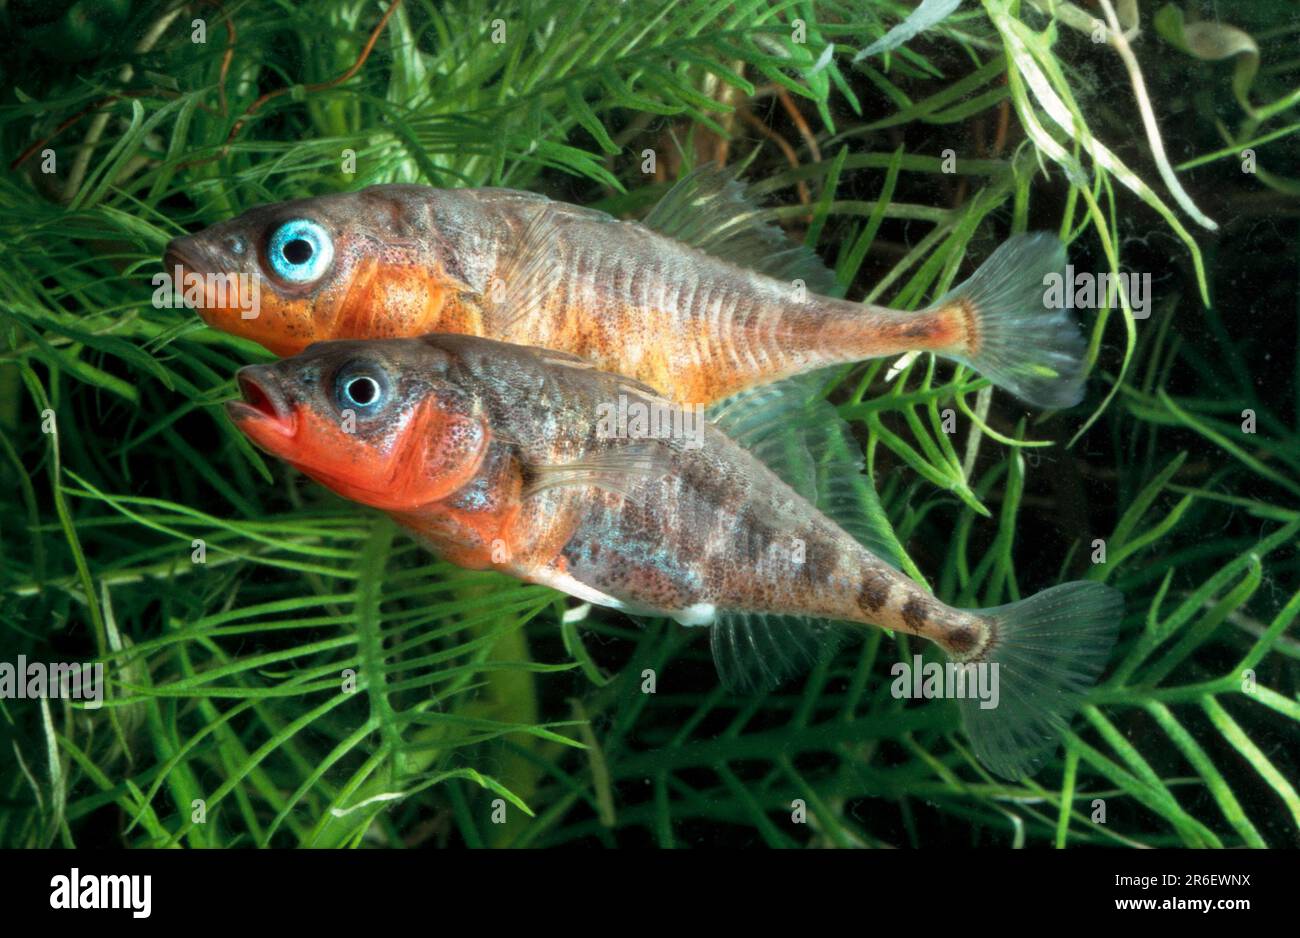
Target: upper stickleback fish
x,y
700,301
499,456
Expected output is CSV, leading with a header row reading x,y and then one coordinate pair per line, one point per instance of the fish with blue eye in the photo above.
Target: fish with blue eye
x,y
702,300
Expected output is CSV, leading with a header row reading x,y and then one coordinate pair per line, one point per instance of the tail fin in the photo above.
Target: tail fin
x,y
1049,649
1016,341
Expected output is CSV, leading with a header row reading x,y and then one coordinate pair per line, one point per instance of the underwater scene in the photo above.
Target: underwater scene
x,y
680,423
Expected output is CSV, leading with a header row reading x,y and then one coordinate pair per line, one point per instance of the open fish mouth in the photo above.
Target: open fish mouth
x,y
263,406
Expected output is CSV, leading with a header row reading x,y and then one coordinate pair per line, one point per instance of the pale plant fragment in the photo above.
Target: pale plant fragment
x,y
1033,61
1157,145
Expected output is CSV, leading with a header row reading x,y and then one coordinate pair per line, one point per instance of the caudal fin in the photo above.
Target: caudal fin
x,y
1014,339
1049,649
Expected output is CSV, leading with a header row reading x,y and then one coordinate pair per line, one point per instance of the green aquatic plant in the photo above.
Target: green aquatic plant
x,y
286,669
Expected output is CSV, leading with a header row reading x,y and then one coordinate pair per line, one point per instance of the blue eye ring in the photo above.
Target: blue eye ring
x,y
300,251
361,390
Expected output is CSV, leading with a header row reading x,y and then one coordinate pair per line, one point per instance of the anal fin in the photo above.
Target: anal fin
x,y
756,651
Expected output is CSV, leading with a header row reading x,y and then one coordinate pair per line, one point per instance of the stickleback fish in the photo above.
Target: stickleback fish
x,y
700,301
500,456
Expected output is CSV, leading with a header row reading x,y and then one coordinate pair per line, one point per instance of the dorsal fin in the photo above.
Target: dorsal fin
x,y
709,209
797,434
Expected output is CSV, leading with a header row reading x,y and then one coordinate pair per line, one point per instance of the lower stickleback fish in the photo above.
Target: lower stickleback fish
x,y
700,301
500,456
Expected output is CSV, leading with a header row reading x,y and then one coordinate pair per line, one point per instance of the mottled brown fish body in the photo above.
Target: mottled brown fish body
x,y
709,528
500,456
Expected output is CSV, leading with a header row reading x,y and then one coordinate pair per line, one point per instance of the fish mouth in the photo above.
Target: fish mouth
x,y
178,254
264,412
182,262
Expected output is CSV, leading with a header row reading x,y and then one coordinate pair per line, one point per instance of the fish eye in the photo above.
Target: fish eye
x,y
300,251
361,390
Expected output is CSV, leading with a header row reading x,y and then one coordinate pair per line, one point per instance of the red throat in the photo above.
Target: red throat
x,y
403,476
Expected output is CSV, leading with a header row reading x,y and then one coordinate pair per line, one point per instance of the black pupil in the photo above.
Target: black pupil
x,y
297,251
363,391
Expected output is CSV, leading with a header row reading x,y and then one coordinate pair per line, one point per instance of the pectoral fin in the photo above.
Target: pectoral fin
x,y
623,469
530,275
